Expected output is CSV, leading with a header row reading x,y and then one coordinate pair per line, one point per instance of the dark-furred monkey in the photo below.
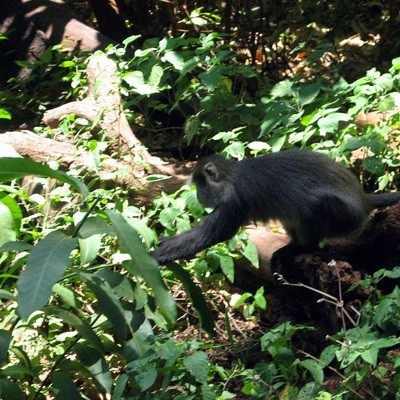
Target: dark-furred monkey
x,y
314,197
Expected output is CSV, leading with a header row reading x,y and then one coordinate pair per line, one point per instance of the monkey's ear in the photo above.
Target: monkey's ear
x,y
211,171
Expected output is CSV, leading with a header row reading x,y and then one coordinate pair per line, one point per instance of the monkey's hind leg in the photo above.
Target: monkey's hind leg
x,y
332,215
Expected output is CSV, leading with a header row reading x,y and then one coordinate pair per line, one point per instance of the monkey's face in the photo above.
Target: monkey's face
x,y
211,180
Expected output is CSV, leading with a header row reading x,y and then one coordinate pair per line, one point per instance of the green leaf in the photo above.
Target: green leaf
x,y
95,226
260,299
89,248
94,362
155,76
108,303
175,59
5,340
228,267
168,217
135,80
7,231
143,264
14,168
143,230
121,285
242,299
197,365
370,355
309,392
44,267
330,123
196,297
120,386
315,368
373,165
191,127
15,210
15,246
283,89
67,296
82,327
249,250
277,143
211,78
4,114
10,390
193,204
64,387
351,143
308,93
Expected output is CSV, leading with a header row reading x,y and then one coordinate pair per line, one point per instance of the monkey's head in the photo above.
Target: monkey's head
x,y
213,177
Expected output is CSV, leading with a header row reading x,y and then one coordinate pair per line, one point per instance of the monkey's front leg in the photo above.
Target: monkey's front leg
x,y
214,228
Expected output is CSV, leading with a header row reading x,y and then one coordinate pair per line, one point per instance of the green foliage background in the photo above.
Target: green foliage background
x,y
87,313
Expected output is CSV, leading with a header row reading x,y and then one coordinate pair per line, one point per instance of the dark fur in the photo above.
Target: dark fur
x,y
314,198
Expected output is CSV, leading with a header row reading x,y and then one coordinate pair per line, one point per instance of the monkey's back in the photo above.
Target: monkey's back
x,y
293,182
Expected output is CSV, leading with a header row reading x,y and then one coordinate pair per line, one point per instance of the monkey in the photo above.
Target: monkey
x,y
314,197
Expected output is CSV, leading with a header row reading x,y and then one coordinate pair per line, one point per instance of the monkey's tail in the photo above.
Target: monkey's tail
x,y
383,199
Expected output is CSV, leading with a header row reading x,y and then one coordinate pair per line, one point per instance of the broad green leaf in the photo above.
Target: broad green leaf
x,y
168,217
330,123
5,294
146,379
282,89
7,231
15,246
260,299
15,210
4,114
310,391
121,285
211,78
89,248
315,369
197,365
45,265
5,340
82,327
109,304
94,226
370,355
143,264
249,250
94,362
196,298
191,127
120,386
140,344
277,143
67,296
143,230
64,386
10,390
373,165
228,267
175,59
207,392
135,80
351,143
242,299
14,168
308,93
155,76
193,204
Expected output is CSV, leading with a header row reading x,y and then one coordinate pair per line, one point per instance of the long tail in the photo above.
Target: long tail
x,y
383,199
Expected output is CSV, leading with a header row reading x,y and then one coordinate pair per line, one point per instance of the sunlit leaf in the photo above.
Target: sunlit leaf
x,y
45,265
